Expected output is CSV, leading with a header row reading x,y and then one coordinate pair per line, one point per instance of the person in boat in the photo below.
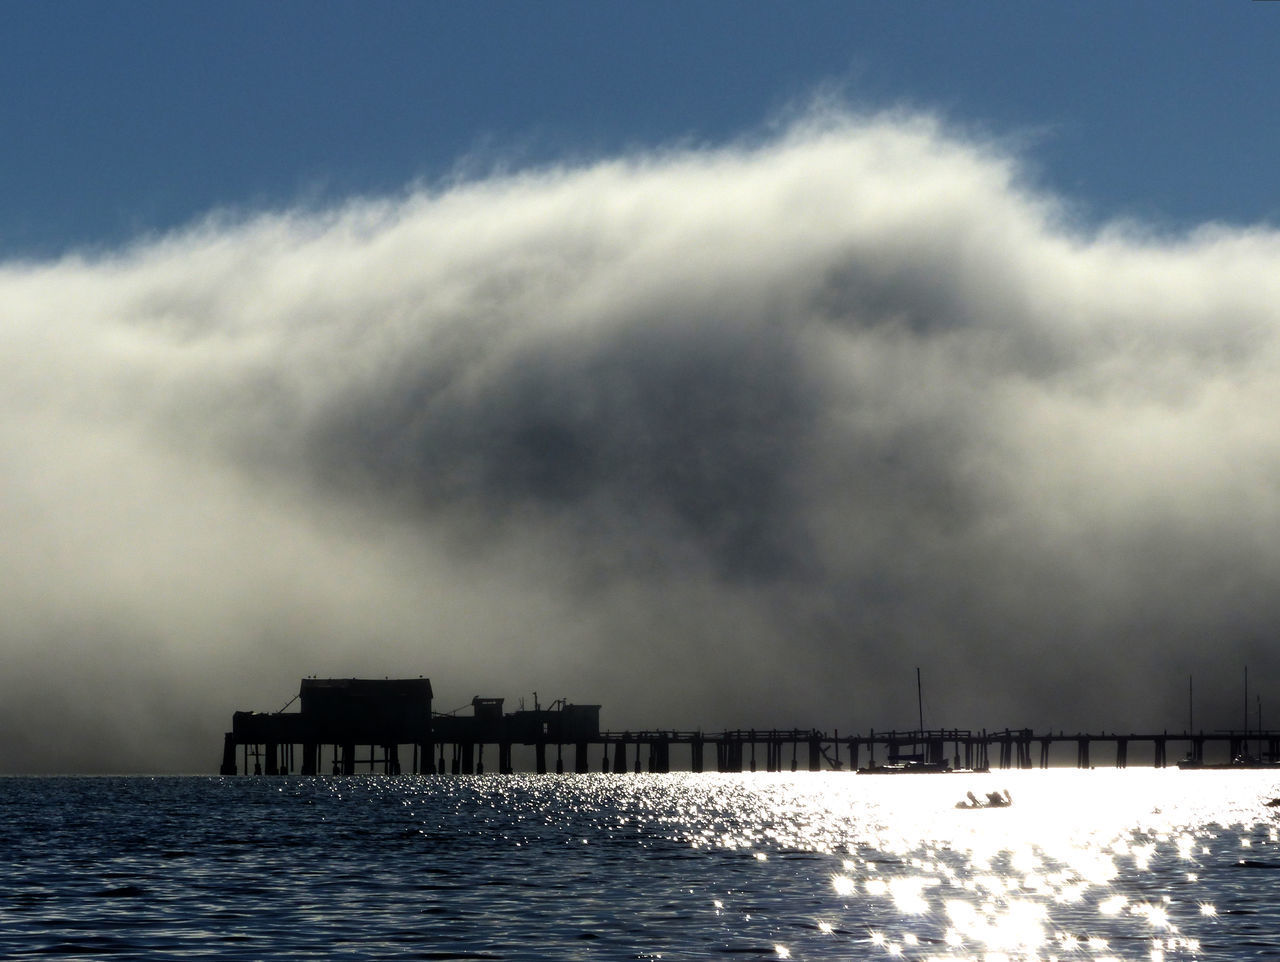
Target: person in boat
x,y
993,800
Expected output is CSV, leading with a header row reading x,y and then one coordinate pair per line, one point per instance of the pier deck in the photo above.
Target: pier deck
x,y
345,726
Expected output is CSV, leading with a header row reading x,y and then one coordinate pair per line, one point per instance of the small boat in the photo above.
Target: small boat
x,y
898,765
993,800
910,763
1189,764
1243,760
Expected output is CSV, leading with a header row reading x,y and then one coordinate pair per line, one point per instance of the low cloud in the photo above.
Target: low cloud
x,y
719,437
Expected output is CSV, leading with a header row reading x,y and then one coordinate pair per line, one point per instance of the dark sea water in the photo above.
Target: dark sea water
x,y
1158,866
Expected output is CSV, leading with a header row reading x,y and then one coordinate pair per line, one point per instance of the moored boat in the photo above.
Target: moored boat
x,y
907,765
1190,764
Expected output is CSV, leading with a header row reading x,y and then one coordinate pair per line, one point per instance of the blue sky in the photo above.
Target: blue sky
x,y
129,118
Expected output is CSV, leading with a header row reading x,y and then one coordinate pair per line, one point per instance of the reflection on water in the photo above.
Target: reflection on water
x,y
1134,864
1085,865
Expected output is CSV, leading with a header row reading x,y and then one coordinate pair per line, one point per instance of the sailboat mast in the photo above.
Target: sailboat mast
x,y
919,699
1191,704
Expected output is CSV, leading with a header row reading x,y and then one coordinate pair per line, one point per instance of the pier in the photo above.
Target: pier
x,y
347,726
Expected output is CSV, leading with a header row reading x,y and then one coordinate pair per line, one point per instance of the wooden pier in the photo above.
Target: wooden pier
x,y
349,726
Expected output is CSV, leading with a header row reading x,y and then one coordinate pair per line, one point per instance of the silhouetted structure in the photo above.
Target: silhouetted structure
x,y
349,714
342,712
344,716
561,724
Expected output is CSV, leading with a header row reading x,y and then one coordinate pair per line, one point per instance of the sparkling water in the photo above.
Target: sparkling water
x,y
1136,864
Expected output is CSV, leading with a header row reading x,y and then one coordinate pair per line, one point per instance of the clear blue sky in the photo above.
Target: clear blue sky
x,y
122,119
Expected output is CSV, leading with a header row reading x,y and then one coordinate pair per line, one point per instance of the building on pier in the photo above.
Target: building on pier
x,y
346,716
559,725
340,712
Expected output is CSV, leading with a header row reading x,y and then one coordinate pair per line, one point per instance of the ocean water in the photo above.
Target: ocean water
x,y
1134,864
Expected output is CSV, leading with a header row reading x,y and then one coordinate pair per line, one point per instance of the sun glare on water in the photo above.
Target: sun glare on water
x,y
1095,865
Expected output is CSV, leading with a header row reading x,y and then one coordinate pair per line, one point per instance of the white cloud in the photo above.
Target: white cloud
x,y
787,417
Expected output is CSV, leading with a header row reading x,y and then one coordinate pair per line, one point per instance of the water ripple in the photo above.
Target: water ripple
x,y
1159,866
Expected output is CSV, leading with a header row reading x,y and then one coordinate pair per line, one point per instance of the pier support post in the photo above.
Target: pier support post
x,y
228,766
540,757
937,749
695,755
581,764
659,756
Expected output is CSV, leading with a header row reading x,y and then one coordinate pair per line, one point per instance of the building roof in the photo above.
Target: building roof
x,y
368,687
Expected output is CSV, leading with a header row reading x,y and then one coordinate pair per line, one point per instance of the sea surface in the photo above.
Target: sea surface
x,y
1084,865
